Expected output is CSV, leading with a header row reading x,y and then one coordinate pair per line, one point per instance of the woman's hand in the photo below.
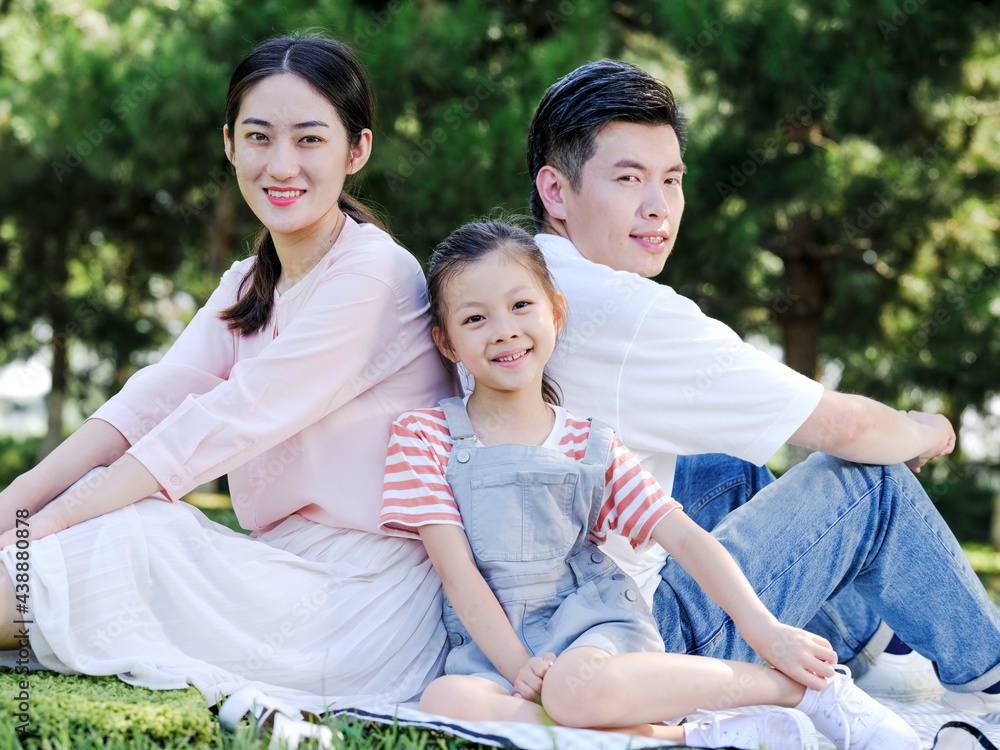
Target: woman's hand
x,y
31,527
528,684
805,657
20,496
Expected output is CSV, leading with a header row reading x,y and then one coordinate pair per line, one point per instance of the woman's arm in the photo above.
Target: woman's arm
x,y
803,656
95,444
124,482
859,429
477,606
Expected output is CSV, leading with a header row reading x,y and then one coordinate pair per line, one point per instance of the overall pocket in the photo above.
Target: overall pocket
x,y
523,515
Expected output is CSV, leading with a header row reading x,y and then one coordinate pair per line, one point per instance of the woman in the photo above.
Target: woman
x,y
289,379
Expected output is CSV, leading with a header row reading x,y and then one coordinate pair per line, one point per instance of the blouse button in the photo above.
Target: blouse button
x,y
456,639
463,457
630,595
175,480
596,557
618,577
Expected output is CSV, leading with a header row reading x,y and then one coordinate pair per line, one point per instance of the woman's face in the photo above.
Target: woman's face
x,y
292,155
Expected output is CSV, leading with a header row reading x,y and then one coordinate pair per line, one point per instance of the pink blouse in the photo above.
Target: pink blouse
x,y
298,414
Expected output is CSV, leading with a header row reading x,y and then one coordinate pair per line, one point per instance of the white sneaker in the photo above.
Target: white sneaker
x,y
777,729
853,719
978,704
908,678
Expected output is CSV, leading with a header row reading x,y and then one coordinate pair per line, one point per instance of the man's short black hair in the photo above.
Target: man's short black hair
x,y
576,108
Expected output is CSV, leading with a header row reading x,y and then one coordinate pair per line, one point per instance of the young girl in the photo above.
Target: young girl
x,y
511,495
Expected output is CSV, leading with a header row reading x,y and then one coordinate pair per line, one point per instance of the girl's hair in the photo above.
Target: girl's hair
x,y
472,243
337,74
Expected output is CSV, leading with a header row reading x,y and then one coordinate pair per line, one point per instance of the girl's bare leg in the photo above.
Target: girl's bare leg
x,y
478,699
587,687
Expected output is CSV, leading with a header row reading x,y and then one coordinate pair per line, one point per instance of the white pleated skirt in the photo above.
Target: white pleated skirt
x,y
162,597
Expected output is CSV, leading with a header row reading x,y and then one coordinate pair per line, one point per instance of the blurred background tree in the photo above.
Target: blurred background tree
x,y
842,192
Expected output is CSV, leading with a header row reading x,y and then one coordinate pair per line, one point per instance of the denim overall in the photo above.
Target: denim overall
x,y
527,513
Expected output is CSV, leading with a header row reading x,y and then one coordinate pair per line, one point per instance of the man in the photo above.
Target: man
x,y
854,552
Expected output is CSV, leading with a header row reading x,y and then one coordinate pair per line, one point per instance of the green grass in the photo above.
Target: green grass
x,y
103,713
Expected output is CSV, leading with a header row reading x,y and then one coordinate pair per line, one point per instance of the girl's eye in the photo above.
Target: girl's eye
x,y
519,305
473,319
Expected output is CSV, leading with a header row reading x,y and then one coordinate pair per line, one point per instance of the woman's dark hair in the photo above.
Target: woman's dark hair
x,y
337,74
472,243
573,111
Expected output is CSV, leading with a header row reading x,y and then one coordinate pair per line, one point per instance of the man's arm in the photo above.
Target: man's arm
x,y
859,429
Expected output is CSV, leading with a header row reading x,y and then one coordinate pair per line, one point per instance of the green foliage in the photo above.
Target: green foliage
x,y
16,457
844,165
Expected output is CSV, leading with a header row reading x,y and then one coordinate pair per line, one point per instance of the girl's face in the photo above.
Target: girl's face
x,y
292,155
500,324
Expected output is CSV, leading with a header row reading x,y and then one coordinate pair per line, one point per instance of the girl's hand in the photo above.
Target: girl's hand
x,y
805,657
528,683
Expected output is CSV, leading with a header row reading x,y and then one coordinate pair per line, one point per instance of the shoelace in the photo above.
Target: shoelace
x,y
862,712
719,731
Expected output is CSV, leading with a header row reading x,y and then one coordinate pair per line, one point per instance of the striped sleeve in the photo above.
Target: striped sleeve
x,y
415,492
633,500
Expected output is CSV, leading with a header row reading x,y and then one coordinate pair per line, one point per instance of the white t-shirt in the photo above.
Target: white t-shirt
x,y
669,379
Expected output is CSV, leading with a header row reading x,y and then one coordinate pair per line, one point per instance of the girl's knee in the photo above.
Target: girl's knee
x,y
573,689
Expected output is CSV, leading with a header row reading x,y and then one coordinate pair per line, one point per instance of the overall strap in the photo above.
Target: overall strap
x,y
458,420
599,443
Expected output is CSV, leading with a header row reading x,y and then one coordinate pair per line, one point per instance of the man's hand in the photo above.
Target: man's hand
x,y
528,683
945,445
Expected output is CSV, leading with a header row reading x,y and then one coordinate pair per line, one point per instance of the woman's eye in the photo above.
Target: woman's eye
x,y
312,139
628,178
256,137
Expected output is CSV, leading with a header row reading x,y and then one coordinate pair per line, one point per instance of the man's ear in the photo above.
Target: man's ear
x,y
227,144
443,345
552,186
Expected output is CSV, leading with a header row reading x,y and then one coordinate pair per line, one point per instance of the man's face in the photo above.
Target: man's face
x,y
628,209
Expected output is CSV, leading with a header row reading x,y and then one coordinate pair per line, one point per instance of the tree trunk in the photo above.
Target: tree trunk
x,y
58,317
799,310
222,231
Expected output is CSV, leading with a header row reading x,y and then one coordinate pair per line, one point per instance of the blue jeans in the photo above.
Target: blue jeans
x,y
834,547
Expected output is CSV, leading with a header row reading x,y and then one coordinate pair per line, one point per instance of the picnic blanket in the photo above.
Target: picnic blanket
x,y
925,717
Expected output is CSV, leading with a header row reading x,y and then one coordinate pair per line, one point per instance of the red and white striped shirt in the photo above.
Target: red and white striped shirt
x,y
416,492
